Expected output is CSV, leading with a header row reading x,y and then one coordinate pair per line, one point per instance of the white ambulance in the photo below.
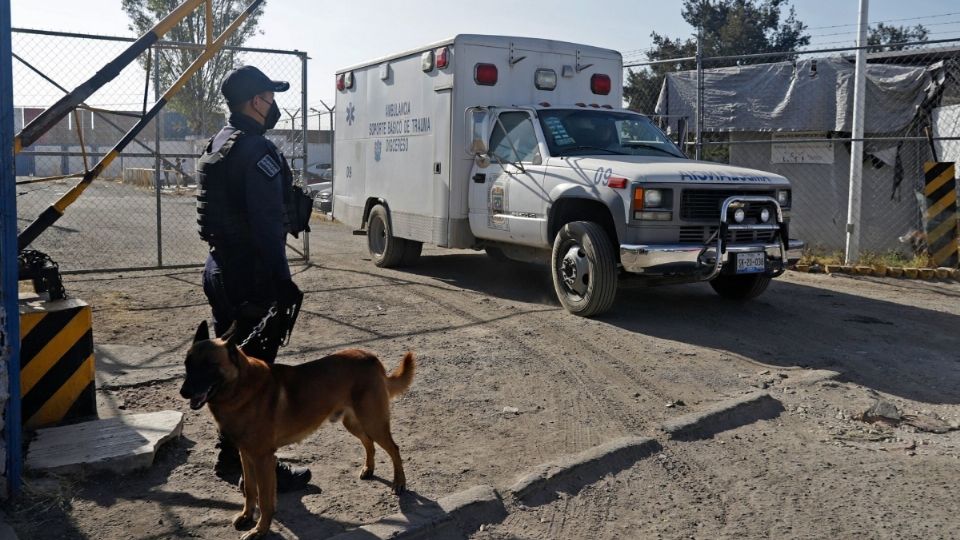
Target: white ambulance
x,y
521,147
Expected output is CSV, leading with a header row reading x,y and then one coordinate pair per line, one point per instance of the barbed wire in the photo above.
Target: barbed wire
x,y
886,21
636,54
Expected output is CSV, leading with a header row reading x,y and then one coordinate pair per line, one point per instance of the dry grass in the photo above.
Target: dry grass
x,y
889,259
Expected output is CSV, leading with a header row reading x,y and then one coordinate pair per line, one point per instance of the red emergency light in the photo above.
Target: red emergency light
x,y
345,81
442,57
600,84
485,74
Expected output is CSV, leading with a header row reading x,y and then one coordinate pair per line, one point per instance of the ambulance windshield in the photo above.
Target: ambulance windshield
x,y
579,132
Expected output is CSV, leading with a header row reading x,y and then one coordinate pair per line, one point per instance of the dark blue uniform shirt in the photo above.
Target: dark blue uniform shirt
x,y
257,168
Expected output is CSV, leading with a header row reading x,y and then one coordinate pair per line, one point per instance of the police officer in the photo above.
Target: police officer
x,y
244,182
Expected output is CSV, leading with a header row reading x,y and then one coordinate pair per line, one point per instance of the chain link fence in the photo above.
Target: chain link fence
x,y
140,213
791,114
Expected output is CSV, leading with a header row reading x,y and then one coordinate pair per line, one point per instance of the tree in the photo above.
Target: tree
x,y
199,101
727,28
891,38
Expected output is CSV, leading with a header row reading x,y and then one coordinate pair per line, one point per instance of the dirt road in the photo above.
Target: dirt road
x,y
491,339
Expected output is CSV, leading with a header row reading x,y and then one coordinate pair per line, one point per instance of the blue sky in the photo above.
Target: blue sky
x,y
343,33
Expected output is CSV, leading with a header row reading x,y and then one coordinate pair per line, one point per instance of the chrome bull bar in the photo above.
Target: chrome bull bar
x,y
703,263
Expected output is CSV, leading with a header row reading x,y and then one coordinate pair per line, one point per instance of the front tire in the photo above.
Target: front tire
x,y
584,268
386,250
733,287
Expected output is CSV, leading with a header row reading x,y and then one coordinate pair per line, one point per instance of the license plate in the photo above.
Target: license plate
x,y
751,263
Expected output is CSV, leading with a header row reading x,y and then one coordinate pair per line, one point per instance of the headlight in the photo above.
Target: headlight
x,y
739,215
652,204
783,197
764,215
652,198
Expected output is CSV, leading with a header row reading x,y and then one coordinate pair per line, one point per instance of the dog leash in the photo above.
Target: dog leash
x,y
271,313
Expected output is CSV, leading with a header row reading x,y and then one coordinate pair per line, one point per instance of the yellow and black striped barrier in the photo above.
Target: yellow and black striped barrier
x,y
57,376
940,189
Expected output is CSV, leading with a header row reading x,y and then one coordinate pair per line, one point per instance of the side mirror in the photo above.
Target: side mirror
x,y
479,126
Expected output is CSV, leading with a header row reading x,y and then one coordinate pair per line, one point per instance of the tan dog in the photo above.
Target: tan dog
x,y
262,407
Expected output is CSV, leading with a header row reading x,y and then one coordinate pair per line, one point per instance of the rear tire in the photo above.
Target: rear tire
x,y
735,287
584,268
386,250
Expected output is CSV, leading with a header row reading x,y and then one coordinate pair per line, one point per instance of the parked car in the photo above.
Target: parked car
x,y
323,200
322,193
319,172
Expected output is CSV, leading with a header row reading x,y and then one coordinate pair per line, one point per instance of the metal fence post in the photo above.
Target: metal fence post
x,y
332,168
306,145
8,258
157,124
698,147
332,153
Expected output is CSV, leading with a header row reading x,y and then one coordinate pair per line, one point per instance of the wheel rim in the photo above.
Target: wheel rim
x,y
377,237
574,271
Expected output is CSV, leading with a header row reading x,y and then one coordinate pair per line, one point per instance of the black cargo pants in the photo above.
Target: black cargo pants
x,y
237,291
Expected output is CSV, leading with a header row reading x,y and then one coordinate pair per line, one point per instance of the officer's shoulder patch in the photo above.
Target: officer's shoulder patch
x,y
268,165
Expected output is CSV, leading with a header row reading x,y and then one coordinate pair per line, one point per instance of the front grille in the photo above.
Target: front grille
x,y
705,204
693,235
698,234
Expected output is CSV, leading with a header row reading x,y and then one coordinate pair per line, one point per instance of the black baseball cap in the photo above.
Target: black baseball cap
x,y
245,82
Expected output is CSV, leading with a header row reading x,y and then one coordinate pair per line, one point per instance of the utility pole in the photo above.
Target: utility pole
x,y
854,201
158,134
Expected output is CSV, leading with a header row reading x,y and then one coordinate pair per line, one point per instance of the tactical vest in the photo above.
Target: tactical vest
x,y
221,206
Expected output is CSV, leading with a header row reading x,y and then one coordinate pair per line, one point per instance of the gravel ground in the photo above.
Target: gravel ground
x,y
490,336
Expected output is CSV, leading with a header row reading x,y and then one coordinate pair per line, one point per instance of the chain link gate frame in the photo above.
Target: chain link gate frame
x,y
140,214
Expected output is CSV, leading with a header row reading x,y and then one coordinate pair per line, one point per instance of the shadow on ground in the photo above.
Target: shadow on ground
x,y
903,350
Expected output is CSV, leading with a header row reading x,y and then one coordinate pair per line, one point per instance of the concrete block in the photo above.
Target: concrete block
x,y
120,444
725,415
474,507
